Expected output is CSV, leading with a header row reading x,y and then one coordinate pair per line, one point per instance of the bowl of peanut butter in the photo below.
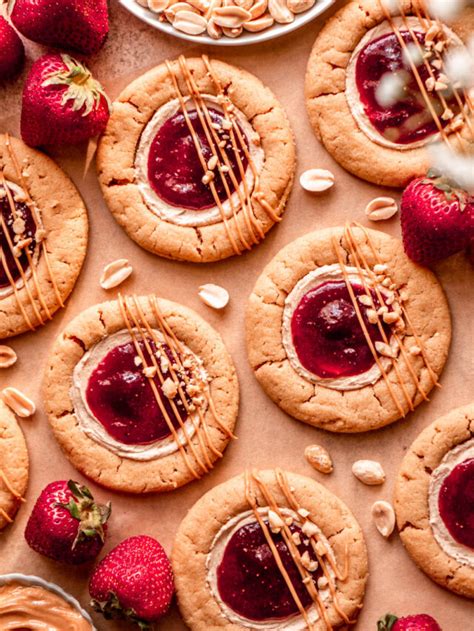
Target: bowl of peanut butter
x,y
27,602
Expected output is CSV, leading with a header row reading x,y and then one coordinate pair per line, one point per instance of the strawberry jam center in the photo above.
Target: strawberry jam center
x,y
121,398
19,226
327,335
175,171
408,120
456,503
249,580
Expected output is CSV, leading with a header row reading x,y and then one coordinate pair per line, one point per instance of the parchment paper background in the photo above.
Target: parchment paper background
x,y
267,437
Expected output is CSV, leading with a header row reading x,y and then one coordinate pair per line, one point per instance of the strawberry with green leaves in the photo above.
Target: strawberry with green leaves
x,y
62,103
80,25
437,219
66,524
134,581
417,622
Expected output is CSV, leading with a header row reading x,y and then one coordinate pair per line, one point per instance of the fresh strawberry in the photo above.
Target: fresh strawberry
x,y
418,622
66,524
437,219
12,51
80,25
62,103
134,581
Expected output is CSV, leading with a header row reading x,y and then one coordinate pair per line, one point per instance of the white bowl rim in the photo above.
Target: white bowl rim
x,y
246,39
27,579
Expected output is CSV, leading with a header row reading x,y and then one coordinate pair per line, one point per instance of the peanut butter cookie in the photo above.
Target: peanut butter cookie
x,y
141,394
344,332
434,501
197,160
43,237
14,466
269,550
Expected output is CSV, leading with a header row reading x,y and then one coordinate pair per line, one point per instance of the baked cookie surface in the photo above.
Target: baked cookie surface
x,y
43,237
344,332
341,115
141,394
231,547
197,160
436,477
14,466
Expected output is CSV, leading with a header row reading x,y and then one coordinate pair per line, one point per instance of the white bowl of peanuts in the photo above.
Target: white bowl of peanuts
x,y
227,22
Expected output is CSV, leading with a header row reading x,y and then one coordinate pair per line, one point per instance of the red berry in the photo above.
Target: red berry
x,y
133,581
12,51
66,524
437,219
62,103
80,25
418,622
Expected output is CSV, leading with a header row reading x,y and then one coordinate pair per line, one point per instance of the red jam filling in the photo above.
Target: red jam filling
x,y
174,169
327,336
456,503
9,264
248,578
408,120
122,399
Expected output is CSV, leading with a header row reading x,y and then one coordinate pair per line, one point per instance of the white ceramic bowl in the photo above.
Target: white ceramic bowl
x,y
277,30
36,581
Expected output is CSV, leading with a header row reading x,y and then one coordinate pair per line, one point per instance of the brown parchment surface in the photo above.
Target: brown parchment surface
x,y
267,437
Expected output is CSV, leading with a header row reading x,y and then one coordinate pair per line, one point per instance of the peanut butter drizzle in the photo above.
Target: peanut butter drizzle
x,y
6,516
124,308
235,129
177,351
203,162
368,339
15,291
467,102
306,576
9,486
202,422
223,167
38,222
11,248
423,91
357,254
218,151
341,576
139,324
416,74
418,340
253,505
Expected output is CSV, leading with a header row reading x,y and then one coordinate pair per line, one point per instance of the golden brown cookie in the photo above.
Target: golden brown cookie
x,y
434,501
197,160
339,117
43,237
344,332
141,394
14,466
269,550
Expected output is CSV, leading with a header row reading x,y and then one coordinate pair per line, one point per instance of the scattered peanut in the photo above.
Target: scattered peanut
x,y
317,180
381,208
214,296
369,472
115,273
8,357
319,458
18,402
384,517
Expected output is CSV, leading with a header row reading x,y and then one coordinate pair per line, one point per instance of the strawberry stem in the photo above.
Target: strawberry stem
x,y
386,623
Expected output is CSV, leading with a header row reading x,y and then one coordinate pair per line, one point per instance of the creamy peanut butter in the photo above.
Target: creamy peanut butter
x,y
33,608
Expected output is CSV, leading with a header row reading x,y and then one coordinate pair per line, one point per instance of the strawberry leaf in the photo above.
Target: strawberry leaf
x,y
386,623
111,608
